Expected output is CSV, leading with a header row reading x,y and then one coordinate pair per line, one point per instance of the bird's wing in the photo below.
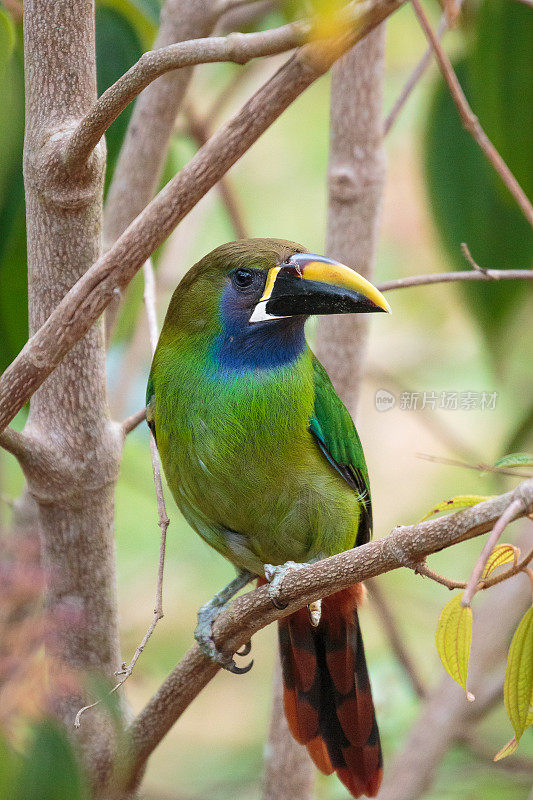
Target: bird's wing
x,y
336,436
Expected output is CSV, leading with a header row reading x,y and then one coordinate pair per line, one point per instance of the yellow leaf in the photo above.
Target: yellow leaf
x,y
518,686
454,637
502,554
507,750
461,501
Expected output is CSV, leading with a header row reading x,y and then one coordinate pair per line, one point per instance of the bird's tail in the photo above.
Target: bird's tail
x,y
328,702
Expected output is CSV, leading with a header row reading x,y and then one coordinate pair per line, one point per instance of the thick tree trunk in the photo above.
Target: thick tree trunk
x,y
77,449
356,178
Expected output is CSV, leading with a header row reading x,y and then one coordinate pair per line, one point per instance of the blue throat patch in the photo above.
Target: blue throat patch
x,y
242,346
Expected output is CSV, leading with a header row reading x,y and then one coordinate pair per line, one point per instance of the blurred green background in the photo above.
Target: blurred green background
x,y
444,338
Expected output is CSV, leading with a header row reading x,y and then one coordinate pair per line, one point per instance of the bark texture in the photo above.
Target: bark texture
x,y
355,180
74,464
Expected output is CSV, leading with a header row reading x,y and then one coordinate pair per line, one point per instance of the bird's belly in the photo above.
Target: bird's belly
x,y
258,499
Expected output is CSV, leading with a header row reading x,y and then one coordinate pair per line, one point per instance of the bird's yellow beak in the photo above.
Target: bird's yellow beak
x,y
309,284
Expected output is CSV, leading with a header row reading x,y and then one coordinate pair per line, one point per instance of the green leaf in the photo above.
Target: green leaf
x,y
461,501
453,638
470,204
51,770
502,79
502,554
8,39
515,460
13,267
143,17
518,686
9,766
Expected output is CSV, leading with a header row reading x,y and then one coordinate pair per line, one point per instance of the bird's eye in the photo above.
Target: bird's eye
x,y
242,278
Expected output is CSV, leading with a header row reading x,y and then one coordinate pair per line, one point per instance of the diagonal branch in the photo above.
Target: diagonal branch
x,y
469,119
405,546
83,304
238,48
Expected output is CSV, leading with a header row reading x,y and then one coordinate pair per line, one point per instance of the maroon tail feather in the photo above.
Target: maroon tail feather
x,y
328,702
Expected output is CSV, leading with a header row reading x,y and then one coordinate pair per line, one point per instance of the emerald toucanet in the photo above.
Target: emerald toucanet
x,y
265,464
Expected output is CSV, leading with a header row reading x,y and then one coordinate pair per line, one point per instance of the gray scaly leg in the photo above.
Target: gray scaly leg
x,y
208,613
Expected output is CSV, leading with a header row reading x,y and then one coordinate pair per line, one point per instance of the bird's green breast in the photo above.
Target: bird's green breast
x,y
241,462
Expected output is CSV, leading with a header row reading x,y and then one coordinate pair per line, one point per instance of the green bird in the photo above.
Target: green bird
x,y
265,463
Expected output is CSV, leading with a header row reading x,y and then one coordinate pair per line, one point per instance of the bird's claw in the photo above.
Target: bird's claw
x,y
204,637
274,575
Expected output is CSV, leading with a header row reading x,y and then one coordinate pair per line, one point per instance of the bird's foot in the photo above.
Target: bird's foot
x,y
275,576
207,615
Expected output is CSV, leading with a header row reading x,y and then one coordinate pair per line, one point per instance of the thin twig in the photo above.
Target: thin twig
x,y
163,520
423,569
469,119
386,615
468,255
451,277
131,422
452,462
510,514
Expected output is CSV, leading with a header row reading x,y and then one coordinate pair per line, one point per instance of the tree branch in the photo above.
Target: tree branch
x,y
469,119
131,422
144,150
238,48
508,516
405,546
520,566
15,442
84,303
452,277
